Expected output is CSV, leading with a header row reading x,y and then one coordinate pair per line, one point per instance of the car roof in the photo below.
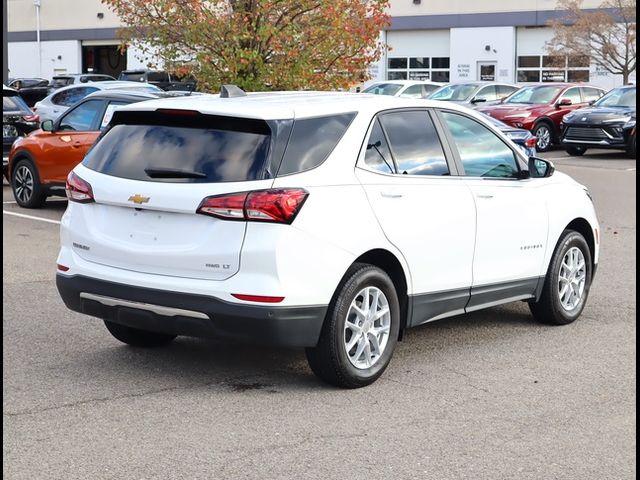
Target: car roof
x,y
480,83
285,105
107,85
132,95
70,75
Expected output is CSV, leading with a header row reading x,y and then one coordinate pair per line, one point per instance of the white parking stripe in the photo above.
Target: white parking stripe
x,y
31,217
631,169
10,201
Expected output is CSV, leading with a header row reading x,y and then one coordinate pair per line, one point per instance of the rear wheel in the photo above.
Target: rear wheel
x,y
544,135
136,337
360,330
576,151
25,183
567,283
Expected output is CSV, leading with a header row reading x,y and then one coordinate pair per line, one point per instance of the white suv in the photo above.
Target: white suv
x,y
320,220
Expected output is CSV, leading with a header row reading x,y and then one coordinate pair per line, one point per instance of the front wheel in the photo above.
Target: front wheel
x,y
567,283
544,136
360,331
631,149
576,151
25,183
137,338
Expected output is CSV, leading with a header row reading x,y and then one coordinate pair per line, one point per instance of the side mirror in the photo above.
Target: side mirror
x,y
591,102
47,126
478,100
540,168
565,102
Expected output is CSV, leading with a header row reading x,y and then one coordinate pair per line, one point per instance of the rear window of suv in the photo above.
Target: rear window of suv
x,y
221,152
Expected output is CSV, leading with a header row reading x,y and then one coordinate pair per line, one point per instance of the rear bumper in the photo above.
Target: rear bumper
x,y
192,315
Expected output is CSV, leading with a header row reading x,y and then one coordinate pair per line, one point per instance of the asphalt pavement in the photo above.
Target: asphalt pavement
x,y
490,395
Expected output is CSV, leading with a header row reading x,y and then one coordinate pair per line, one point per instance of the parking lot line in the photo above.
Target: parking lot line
x,y
9,202
31,217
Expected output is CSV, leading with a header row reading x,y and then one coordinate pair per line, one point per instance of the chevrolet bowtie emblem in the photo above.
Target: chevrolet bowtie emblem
x,y
139,199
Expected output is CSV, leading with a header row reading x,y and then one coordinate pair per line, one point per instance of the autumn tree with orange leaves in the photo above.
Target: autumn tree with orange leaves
x,y
607,35
259,44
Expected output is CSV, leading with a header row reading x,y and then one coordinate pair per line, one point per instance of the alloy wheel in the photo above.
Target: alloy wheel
x,y
572,279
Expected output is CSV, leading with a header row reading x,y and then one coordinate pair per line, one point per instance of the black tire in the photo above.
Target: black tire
x,y
549,309
631,149
329,359
136,337
576,151
25,183
538,131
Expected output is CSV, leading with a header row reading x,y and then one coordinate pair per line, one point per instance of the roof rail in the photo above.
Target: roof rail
x,y
231,91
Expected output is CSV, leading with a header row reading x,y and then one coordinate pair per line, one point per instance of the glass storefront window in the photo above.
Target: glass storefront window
x,y
528,75
401,75
420,62
529,61
397,63
548,68
578,76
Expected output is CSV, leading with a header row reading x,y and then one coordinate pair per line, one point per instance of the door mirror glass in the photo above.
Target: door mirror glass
x,y
540,168
47,126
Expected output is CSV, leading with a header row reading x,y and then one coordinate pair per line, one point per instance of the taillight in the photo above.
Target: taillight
x,y
78,190
257,298
531,142
279,205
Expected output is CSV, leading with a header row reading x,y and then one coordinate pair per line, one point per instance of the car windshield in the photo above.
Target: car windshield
x,y
535,95
456,93
618,97
58,82
14,103
383,89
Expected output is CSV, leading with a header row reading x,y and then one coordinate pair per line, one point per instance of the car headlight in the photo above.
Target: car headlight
x,y
622,120
630,123
519,115
567,118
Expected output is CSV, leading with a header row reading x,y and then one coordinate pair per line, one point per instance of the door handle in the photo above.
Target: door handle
x,y
391,195
487,197
77,144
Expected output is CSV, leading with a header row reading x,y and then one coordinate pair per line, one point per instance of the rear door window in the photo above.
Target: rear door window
x,y
14,103
378,157
414,143
209,150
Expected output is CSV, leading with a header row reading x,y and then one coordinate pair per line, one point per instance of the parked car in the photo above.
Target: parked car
x,y
17,121
471,94
160,78
62,99
31,90
539,108
403,88
60,81
521,137
609,123
331,221
40,163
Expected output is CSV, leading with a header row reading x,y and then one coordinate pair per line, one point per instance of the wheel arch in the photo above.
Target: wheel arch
x,y
583,227
18,156
387,261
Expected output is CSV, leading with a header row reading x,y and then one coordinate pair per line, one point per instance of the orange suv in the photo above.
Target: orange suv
x,y
39,163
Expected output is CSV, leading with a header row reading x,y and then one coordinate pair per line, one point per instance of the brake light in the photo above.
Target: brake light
x,y
62,268
78,190
531,142
180,113
279,205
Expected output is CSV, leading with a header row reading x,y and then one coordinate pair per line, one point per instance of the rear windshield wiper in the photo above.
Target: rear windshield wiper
x,y
172,173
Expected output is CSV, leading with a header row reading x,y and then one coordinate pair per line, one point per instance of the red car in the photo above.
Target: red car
x,y
539,108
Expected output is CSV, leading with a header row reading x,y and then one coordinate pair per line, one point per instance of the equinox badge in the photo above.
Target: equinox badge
x,y
139,199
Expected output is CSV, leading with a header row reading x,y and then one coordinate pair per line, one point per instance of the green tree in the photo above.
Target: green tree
x,y
607,36
259,44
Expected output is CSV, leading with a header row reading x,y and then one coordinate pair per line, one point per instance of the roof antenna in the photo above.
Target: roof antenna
x,y
231,91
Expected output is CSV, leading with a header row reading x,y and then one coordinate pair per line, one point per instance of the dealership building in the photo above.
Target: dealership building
x,y
440,40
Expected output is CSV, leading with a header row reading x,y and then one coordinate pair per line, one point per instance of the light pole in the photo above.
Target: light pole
x,y
37,4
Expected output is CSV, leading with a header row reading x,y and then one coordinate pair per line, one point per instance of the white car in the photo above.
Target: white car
x,y
321,220
54,105
404,88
